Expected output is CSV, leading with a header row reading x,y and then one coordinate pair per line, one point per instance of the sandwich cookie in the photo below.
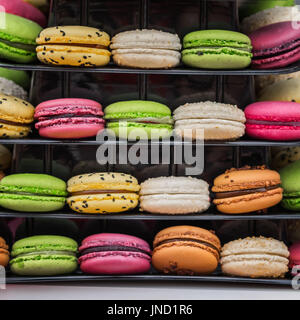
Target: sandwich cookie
x,y
14,83
17,38
186,250
69,118
44,255
16,115
275,45
4,253
139,119
246,190
255,257
216,49
273,120
284,156
114,253
218,121
174,195
73,46
30,192
294,258
147,49
104,192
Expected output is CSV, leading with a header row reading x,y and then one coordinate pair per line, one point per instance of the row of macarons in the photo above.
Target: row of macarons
x,y
71,118
237,191
182,250
270,46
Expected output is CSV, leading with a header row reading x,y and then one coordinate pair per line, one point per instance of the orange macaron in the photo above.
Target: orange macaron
x,y
247,189
186,250
4,254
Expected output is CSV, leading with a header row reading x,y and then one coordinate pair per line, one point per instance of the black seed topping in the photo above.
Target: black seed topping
x,y
129,181
51,51
62,58
131,201
4,99
84,57
98,34
123,207
1,125
89,35
62,33
102,178
113,199
43,53
47,39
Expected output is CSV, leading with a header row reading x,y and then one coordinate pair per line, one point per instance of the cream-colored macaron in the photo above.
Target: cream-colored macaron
x,y
147,49
174,195
218,121
255,257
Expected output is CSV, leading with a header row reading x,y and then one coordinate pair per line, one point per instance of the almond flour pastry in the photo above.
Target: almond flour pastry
x,y
218,121
146,49
255,257
174,195
73,46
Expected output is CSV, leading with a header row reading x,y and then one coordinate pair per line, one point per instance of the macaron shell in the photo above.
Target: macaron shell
x,y
103,203
4,257
249,203
275,133
73,55
184,258
10,131
115,262
291,203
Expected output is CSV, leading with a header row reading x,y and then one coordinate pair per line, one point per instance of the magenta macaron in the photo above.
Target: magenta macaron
x,y
294,258
273,120
69,118
276,45
25,10
114,253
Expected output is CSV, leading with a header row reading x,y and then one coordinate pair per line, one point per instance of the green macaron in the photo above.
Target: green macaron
x,y
290,182
29,192
17,38
139,119
45,255
18,76
216,49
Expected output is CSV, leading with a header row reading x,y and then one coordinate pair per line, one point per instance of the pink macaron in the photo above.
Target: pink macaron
x,y
23,9
294,258
69,118
276,45
273,120
114,253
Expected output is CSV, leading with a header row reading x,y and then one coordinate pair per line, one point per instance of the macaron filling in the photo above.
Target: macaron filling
x,y
18,45
273,123
37,191
48,252
12,123
113,248
283,48
87,192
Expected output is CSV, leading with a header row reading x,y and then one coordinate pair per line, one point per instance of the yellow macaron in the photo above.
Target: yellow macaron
x,y
103,192
16,115
73,46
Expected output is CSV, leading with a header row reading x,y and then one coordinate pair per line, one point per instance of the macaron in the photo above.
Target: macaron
x,y
269,16
146,49
293,231
69,118
32,192
216,49
284,156
256,257
103,192
294,258
4,253
16,116
282,90
273,120
246,189
114,253
217,121
290,178
10,87
275,45
25,10
5,157
44,255
139,119
73,46
186,250
174,195
17,38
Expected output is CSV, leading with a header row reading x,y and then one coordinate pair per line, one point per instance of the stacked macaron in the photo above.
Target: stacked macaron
x,y
174,195
209,121
73,46
17,39
114,253
69,118
103,192
44,255
247,189
186,250
29,192
139,119
16,115
216,49
147,49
